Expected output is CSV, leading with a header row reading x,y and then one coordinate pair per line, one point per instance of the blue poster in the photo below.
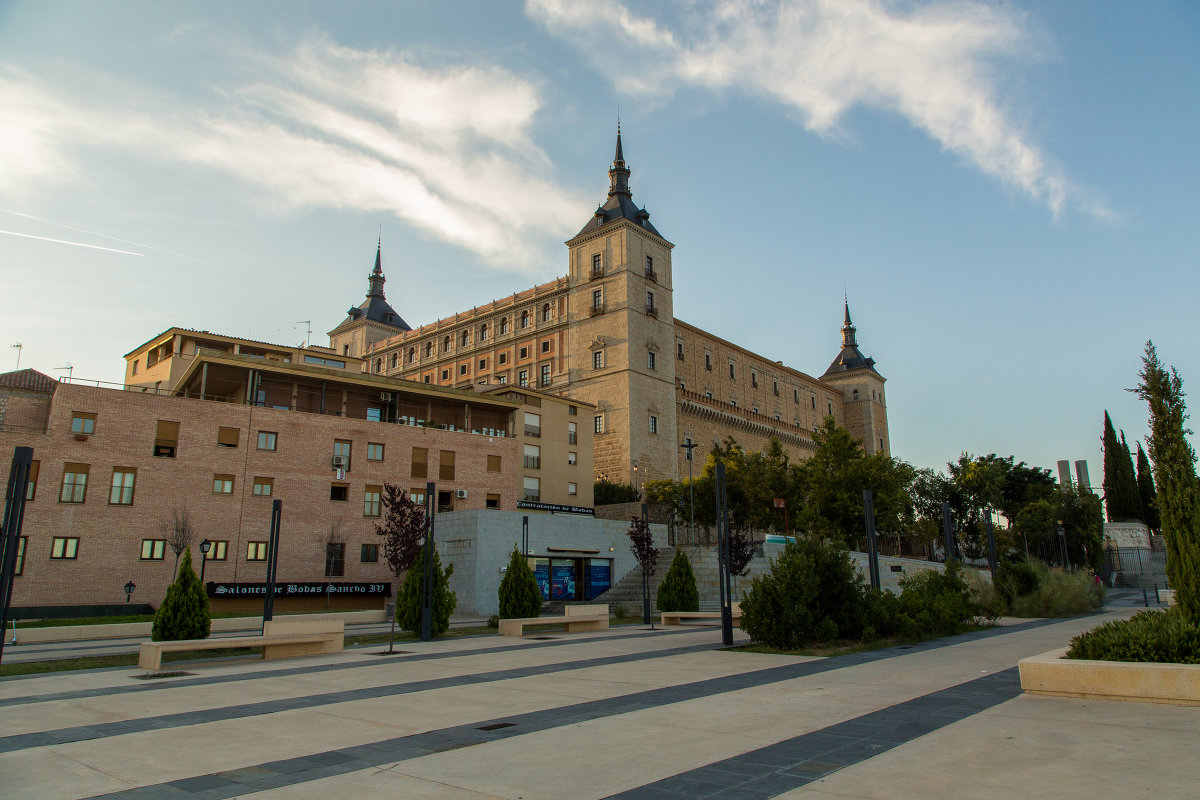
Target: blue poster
x,y
541,572
599,579
562,582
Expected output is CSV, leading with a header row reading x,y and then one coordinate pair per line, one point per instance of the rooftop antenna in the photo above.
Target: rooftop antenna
x,y
69,369
307,330
18,347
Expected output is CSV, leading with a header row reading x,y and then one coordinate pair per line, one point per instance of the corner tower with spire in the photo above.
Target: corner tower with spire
x,y
854,374
371,320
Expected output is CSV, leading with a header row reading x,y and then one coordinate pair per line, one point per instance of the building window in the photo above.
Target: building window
x,y
533,457
795,395
597,300
412,354
545,374
153,549
830,405
166,439
598,359
420,462
708,394
483,332
598,423
339,492
493,501
756,409
653,424
374,451
121,491
502,358
502,380
266,440
369,554
533,489
446,465
482,364
733,402
503,325
256,551
445,374
31,487
814,402
378,365
335,559
222,484
83,423
462,369
533,424
74,485
417,496
649,265
523,377
854,395
64,547
754,379
341,454
263,487
428,349
546,346
682,385
650,360
546,312
572,458
524,352
572,489
466,338
679,350
597,265
227,437
19,567
708,361
446,344
493,463
135,366
371,501
524,319
650,302
732,374
572,411
572,433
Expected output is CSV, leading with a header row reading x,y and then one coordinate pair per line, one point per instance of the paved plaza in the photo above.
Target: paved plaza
x,y
629,713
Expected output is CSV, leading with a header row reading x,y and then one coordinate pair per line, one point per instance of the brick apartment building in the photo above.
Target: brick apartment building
x,y
606,334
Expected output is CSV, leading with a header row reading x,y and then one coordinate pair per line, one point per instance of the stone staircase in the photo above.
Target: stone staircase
x,y
627,592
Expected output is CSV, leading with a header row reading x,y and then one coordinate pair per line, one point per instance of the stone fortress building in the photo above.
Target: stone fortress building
x,y
606,334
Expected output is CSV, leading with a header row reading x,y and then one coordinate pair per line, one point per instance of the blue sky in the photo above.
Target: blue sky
x,y
1008,192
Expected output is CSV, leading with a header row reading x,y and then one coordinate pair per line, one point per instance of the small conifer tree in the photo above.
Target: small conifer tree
x,y
184,611
1145,481
520,596
408,602
677,592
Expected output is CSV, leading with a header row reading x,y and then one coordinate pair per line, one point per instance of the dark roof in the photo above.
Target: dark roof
x,y
29,379
376,307
619,204
850,357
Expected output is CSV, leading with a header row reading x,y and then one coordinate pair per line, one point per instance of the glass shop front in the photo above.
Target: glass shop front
x,y
572,578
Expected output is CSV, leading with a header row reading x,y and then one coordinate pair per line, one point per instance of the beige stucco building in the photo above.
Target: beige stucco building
x,y
606,334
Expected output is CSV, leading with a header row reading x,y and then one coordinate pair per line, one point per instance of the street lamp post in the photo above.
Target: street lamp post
x,y
205,546
689,445
129,587
1062,543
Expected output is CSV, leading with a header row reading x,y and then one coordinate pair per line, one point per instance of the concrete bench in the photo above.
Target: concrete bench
x,y
576,618
280,639
677,617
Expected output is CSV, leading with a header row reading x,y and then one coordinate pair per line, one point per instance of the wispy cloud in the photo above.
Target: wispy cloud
x,y
820,58
447,149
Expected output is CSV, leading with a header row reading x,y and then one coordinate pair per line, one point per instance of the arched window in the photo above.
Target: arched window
x,y
856,394
392,365
524,319
466,338
546,312
379,365
428,349
412,354
503,326
446,344
483,332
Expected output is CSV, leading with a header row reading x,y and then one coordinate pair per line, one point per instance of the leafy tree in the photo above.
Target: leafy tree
x,y
677,592
184,611
1121,499
1082,521
403,530
606,493
641,544
520,596
409,600
1175,474
1145,481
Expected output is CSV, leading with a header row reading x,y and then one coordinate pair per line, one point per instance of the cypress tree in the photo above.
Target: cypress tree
x,y
408,602
1145,481
1120,487
520,595
1175,473
184,611
677,592
1129,484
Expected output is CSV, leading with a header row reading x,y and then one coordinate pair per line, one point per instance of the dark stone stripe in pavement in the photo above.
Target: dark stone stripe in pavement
x,y
309,670
790,764
289,772
102,730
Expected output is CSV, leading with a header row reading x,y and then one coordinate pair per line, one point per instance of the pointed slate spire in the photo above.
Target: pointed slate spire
x,y
619,158
848,330
376,277
618,175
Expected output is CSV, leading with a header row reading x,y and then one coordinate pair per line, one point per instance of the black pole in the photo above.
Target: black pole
x,y
272,563
723,555
525,537
1062,543
427,584
948,532
993,562
10,531
872,553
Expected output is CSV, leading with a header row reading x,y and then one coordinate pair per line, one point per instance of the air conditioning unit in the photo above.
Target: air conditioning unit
x,y
340,462
385,397
461,494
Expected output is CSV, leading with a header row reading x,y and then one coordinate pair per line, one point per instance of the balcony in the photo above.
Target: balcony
x,y
596,273
596,309
651,275
651,311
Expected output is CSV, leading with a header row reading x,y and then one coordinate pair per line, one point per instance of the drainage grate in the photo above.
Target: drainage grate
x,y
541,638
496,726
153,676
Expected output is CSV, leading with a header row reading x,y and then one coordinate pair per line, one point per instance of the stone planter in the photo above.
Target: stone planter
x,y
1052,674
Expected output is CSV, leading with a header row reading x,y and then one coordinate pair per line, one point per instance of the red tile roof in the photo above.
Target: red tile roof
x,y
29,379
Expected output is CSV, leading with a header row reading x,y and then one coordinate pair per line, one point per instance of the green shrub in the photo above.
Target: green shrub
x,y
677,592
184,611
811,593
1059,594
408,602
520,596
938,603
986,594
1016,578
493,621
1155,636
